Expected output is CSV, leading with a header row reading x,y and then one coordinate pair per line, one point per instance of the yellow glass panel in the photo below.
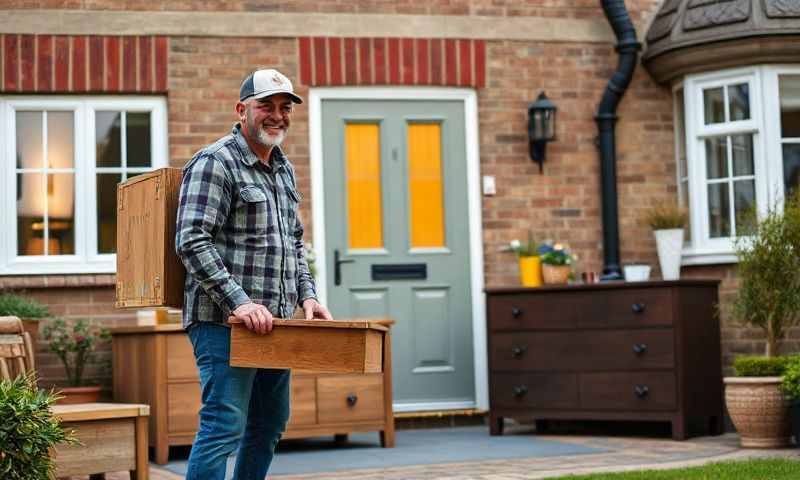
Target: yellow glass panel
x,y
364,185
425,184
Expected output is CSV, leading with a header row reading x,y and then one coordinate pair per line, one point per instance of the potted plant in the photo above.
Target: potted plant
x,y
26,309
29,430
768,297
556,263
668,223
530,266
791,389
75,344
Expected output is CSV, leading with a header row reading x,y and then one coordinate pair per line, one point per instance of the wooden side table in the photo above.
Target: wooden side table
x,y
113,437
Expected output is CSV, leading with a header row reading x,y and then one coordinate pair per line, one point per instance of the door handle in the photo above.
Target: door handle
x,y
337,267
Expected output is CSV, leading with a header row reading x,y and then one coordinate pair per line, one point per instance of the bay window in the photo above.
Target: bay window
x,y
61,160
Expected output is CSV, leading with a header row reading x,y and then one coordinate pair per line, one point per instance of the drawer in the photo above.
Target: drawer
x,y
629,307
180,358
588,350
533,390
183,409
304,401
350,398
628,391
533,311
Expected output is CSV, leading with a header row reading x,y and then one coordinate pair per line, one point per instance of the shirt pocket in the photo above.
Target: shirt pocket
x,y
293,198
254,212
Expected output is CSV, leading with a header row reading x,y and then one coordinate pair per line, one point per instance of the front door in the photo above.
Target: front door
x,y
397,240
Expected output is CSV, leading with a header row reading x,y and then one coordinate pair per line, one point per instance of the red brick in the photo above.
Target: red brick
x,y
61,63
112,64
365,61
44,63
335,60
27,62
96,64
129,68
11,80
380,60
350,62
145,54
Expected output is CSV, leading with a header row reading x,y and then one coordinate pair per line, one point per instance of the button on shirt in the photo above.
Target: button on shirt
x,y
239,233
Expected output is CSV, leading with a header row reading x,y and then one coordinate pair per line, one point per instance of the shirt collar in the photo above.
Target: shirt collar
x,y
277,158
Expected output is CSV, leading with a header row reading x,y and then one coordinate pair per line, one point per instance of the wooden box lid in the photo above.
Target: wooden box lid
x,y
321,346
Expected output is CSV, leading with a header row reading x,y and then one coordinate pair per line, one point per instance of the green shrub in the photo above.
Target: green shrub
x,y
756,366
28,430
17,306
791,379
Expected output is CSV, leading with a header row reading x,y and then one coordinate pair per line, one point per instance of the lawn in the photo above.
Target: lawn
x,y
764,469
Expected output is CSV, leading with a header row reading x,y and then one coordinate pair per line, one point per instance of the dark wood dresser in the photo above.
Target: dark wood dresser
x,y
608,351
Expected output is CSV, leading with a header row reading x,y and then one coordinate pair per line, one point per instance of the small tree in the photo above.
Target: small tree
x,y
769,271
28,430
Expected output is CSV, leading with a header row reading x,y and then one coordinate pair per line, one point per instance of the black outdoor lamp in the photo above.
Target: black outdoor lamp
x,y
541,127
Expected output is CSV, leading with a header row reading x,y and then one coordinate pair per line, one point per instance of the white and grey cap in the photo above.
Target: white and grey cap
x,y
263,83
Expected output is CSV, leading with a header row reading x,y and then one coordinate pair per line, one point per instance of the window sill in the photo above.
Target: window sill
x,y
57,281
694,257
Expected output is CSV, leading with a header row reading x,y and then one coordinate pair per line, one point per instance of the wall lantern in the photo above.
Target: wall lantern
x,y
541,127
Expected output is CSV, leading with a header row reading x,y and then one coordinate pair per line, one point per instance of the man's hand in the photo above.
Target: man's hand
x,y
313,309
255,317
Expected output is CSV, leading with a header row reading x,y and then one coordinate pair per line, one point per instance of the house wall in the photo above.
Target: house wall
x,y
562,203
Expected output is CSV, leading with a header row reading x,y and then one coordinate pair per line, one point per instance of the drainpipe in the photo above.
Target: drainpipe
x,y
606,118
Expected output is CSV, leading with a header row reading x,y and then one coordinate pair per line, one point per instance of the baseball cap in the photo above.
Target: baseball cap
x,y
263,83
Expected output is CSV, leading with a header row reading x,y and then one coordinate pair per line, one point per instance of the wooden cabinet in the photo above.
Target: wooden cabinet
x,y
155,365
616,351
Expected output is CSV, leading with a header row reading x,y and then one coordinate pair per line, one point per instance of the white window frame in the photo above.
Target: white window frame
x,y
86,258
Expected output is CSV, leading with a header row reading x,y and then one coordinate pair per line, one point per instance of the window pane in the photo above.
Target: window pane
x,y
744,199
714,105
108,138
791,167
680,134
717,157
137,131
60,140
739,101
742,155
684,199
425,185
60,213
362,144
790,106
107,212
30,213
718,210
29,140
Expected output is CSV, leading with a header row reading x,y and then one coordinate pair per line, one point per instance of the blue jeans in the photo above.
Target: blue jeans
x,y
242,407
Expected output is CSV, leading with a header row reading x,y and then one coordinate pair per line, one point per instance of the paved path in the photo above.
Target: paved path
x,y
626,454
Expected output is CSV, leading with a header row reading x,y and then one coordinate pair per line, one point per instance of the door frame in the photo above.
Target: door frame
x,y
470,101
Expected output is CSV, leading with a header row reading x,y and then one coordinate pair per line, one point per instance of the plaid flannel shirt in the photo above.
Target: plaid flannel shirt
x,y
239,233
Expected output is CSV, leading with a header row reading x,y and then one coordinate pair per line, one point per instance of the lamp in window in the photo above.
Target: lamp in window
x,y
541,127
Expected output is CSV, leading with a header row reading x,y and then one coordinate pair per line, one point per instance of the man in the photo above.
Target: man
x,y
241,239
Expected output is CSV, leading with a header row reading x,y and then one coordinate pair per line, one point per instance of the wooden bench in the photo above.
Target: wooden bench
x,y
113,435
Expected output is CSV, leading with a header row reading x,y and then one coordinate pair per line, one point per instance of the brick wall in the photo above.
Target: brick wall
x,y
563,203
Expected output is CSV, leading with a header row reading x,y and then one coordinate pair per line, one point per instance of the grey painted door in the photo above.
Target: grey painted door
x,y
396,218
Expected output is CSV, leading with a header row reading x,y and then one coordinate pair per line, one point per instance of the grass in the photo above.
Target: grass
x,y
761,469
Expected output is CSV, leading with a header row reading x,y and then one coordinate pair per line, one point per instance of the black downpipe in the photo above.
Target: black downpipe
x,y
628,49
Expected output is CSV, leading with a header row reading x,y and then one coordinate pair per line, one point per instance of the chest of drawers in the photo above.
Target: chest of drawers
x,y
611,351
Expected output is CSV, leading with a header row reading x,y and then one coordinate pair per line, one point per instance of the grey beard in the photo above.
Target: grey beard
x,y
268,141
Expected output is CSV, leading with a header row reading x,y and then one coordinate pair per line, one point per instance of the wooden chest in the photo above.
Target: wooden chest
x,y
149,273
621,351
155,365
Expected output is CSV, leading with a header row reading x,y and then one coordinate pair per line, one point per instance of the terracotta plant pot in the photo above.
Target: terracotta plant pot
x,y
530,271
555,274
79,395
759,411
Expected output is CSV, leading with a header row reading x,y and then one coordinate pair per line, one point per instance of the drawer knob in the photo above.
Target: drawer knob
x,y
516,312
640,348
520,390
641,391
638,307
352,400
518,351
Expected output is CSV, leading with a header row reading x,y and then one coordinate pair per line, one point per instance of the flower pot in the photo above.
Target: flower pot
x,y
669,244
530,271
637,273
79,395
555,274
31,325
759,411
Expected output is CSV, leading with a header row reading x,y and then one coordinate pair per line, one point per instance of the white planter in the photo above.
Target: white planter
x,y
669,244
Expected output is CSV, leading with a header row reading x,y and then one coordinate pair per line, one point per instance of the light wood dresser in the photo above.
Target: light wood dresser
x,y
155,365
645,351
